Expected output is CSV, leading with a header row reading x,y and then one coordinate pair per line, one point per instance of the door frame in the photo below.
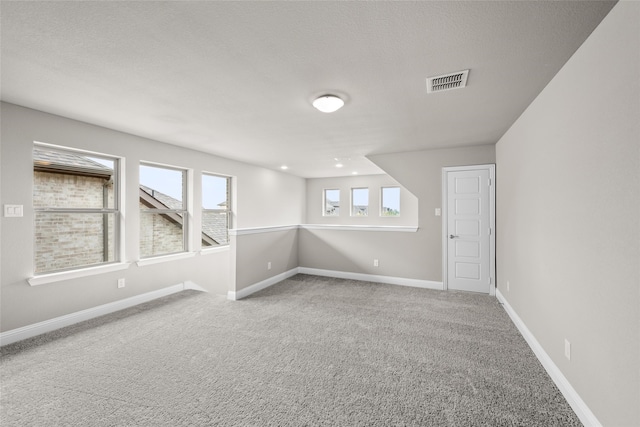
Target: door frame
x,y
492,222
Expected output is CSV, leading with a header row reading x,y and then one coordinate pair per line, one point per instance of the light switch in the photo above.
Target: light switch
x,y
12,210
438,211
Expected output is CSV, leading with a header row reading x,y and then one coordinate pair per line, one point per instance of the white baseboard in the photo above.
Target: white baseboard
x,y
573,398
415,283
39,328
245,292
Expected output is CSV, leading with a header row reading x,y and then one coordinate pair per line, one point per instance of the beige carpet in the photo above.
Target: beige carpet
x,y
309,351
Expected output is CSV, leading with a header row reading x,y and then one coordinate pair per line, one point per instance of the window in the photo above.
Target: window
x,y
216,209
390,201
359,202
76,204
163,210
331,203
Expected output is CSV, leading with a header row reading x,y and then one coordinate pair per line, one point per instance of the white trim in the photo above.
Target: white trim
x,y
122,191
39,328
74,274
492,221
258,230
398,228
270,229
245,292
570,394
415,283
189,241
165,258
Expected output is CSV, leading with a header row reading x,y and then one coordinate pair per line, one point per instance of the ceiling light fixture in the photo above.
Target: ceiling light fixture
x,y
284,167
339,165
328,103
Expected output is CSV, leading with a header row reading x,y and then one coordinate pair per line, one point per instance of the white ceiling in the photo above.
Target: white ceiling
x,y
237,79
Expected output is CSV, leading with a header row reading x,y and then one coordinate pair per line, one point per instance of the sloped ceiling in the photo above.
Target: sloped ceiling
x,y
237,79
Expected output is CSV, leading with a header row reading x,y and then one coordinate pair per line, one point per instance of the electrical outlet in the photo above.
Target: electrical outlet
x,y
269,265
120,283
376,263
438,212
567,349
508,286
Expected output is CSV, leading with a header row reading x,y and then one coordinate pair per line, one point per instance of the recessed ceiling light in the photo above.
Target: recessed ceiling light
x,y
328,103
339,165
354,173
284,167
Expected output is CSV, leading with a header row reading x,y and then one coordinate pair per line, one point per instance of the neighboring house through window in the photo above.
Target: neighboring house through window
x,y
76,206
163,210
216,209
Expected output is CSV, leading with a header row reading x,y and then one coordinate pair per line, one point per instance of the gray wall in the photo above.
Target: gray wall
x,y
354,251
421,173
280,248
263,198
568,241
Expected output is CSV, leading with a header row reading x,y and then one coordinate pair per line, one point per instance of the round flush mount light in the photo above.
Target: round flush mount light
x,y
328,103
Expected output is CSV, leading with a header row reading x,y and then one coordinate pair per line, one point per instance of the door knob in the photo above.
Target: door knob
x,y
451,236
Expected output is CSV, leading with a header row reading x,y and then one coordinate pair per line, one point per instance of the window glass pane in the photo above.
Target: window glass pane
x,y
216,210
161,188
75,182
331,203
359,201
72,180
161,234
215,192
71,240
215,228
390,201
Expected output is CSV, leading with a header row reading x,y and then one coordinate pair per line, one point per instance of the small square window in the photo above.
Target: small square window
x,y
390,202
331,203
359,202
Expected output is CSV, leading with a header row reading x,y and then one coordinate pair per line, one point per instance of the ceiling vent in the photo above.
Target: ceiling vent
x,y
449,81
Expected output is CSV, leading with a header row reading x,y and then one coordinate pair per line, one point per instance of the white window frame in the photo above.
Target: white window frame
x,y
382,201
119,225
226,211
186,211
324,202
352,204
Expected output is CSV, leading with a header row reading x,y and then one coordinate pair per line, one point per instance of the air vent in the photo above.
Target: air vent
x,y
449,81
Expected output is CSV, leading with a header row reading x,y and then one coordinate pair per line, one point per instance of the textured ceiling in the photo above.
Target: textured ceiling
x,y
237,79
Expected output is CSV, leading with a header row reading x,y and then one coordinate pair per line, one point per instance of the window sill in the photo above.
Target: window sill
x,y
74,274
214,250
165,258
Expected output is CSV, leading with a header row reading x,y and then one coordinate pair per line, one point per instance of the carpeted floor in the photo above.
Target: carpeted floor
x,y
309,351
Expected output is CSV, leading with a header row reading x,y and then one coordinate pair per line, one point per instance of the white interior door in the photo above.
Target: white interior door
x,y
468,229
